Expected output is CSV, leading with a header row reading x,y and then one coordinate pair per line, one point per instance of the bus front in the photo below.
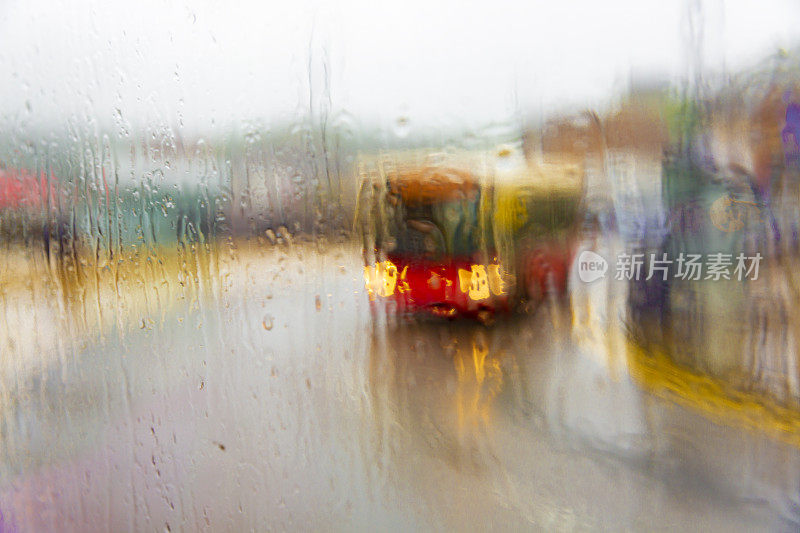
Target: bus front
x,y
434,253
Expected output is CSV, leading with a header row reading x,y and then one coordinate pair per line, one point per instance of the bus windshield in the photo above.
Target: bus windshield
x,y
437,229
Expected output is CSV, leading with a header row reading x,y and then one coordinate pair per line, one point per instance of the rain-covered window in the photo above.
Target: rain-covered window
x,y
399,266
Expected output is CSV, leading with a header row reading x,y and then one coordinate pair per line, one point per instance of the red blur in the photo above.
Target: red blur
x,y
22,189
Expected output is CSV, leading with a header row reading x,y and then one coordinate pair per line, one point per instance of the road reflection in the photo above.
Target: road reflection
x,y
566,398
552,419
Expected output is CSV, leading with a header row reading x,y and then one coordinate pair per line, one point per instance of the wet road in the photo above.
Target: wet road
x,y
279,399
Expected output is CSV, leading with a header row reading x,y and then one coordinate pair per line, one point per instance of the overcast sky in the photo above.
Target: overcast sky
x,y
205,64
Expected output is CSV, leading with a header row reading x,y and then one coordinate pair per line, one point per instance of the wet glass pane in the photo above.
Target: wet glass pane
x,y
418,266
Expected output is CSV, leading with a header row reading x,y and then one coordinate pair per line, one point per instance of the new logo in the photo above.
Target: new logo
x,y
591,266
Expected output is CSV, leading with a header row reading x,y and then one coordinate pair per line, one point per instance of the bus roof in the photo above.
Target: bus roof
x,y
433,184
421,177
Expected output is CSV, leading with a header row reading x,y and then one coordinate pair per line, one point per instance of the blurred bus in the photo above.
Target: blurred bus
x,y
455,235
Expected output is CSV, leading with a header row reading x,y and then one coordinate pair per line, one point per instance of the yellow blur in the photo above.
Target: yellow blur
x,y
660,376
381,279
480,280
